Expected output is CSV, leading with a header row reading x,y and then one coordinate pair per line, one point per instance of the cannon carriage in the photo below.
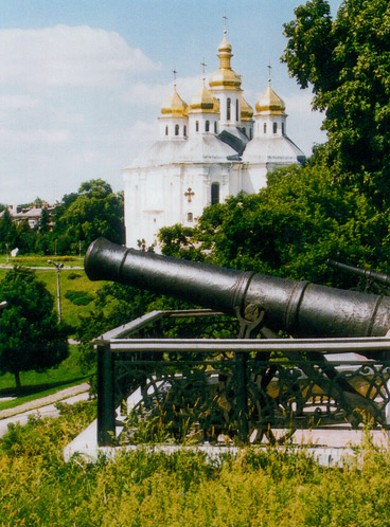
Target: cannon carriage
x,y
251,385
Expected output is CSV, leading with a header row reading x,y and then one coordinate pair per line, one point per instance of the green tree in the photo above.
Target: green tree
x,y
96,211
289,229
8,232
346,61
30,336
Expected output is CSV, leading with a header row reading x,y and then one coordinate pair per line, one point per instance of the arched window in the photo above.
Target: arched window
x,y
215,127
207,126
176,129
265,128
250,133
275,127
228,108
185,131
214,193
237,112
283,129
166,130
197,126
190,216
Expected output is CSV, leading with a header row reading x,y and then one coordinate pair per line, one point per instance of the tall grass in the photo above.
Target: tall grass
x,y
140,489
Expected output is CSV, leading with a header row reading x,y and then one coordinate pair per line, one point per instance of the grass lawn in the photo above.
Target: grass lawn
x,y
35,385
77,291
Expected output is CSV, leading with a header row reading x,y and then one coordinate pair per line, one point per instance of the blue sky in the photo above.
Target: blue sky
x,y
82,82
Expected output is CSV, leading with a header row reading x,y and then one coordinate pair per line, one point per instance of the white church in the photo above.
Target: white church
x,y
212,148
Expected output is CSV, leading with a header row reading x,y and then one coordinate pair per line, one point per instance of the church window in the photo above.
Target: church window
x,y
166,130
207,126
228,108
283,132
185,131
176,129
190,216
197,126
265,128
237,112
275,127
250,133
214,193
215,127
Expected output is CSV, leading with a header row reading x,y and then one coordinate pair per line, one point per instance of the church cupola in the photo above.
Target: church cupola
x,y
270,114
203,112
246,118
225,85
173,119
225,77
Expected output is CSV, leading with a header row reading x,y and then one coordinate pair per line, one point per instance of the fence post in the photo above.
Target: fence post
x,y
106,396
242,396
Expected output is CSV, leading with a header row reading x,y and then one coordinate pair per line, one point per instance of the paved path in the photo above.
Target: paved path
x,y
45,406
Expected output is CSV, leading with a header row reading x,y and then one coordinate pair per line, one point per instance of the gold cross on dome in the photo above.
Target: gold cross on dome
x,y
225,20
189,194
269,71
203,64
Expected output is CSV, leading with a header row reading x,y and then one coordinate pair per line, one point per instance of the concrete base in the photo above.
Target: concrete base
x,y
328,447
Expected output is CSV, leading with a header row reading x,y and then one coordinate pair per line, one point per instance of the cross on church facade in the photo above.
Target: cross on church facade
x,y
189,194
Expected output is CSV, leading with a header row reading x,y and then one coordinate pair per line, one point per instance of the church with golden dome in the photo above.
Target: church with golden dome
x,y
214,147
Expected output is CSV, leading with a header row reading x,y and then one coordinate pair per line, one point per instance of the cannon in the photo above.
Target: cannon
x,y
300,308
381,281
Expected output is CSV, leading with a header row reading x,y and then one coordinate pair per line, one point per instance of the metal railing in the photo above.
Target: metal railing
x,y
243,388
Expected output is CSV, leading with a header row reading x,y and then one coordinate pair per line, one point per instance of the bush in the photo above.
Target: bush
x,y
79,298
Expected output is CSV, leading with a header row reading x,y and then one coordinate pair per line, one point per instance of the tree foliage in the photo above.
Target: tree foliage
x,y
290,228
96,211
346,61
30,336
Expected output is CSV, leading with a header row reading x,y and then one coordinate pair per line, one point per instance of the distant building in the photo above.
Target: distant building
x,y
207,150
31,214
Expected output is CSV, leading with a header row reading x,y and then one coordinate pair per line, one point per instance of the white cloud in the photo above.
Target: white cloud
x,y
64,55
11,102
39,135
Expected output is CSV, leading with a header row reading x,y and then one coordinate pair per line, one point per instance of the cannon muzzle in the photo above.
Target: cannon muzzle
x,y
299,308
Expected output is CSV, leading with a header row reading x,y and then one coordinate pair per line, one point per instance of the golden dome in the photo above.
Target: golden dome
x,y
204,101
246,110
270,102
225,76
174,105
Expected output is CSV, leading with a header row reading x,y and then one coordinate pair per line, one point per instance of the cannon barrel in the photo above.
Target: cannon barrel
x,y
300,308
381,278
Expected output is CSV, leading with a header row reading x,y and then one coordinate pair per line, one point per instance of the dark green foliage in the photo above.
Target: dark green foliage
x,y
8,233
73,276
71,226
95,212
79,298
290,228
346,61
30,336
